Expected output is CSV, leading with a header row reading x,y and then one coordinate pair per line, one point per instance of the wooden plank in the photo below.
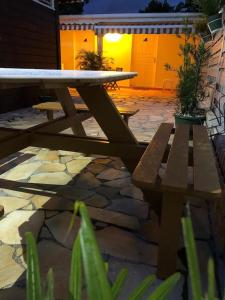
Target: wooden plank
x,y
170,226
51,106
206,178
146,172
66,101
176,176
87,145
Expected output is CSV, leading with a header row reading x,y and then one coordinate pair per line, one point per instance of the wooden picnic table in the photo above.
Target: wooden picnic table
x,y
120,140
178,162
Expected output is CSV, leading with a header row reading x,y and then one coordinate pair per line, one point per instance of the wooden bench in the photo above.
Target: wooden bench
x,y
190,169
50,107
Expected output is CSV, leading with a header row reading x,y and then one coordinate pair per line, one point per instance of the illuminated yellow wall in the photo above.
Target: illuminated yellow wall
x,y
168,49
67,49
120,51
163,49
72,42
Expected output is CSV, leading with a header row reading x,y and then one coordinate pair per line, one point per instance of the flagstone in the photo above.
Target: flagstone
x,y
12,203
59,226
77,165
97,201
125,245
114,218
95,168
130,206
132,191
57,178
52,255
118,183
13,293
22,171
88,181
108,192
111,174
48,155
51,167
17,223
103,161
75,193
10,270
16,194
70,153
51,203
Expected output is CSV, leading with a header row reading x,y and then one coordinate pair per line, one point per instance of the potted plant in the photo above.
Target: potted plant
x,y
90,60
211,8
202,29
191,87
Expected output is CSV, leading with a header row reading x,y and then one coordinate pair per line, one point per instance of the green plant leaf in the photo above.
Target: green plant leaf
x,y
162,291
119,282
50,286
192,259
211,280
98,286
33,290
75,281
139,291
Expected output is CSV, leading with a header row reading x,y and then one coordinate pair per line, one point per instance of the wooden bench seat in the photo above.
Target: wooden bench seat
x,y
50,107
179,151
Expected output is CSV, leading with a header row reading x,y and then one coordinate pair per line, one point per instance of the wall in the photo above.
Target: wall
x,y
168,52
120,51
144,53
28,39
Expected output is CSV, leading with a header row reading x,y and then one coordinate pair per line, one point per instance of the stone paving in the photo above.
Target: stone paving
x,y
42,186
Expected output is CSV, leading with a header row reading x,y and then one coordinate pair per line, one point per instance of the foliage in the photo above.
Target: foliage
x,y
71,7
164,6
88,269
157,6
89,60
209,7
193,265
191,87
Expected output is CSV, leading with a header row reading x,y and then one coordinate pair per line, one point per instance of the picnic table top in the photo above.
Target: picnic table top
x,y
12,75
189,162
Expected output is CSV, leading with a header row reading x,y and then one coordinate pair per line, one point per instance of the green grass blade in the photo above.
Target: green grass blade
x,y
165,288
211,280
139,291
75,281
50,286
192,259
119,282
33,290
98,286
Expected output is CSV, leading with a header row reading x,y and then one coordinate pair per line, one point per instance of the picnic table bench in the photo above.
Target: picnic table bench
x,y
190,169
50,107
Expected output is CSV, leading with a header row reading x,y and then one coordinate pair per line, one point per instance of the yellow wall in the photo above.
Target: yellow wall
x,y
72,42
168,52
120,51
164,49
67,52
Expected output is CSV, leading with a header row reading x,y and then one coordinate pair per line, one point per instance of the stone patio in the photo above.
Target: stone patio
x,y
42,186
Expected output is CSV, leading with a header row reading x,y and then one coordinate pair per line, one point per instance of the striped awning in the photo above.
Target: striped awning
x,y
146,29
129,29
74,26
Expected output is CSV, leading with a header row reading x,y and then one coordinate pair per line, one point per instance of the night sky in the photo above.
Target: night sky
x,y
117,6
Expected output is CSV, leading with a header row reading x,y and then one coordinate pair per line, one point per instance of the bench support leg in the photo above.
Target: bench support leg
x,y
64,97
50,115
169,234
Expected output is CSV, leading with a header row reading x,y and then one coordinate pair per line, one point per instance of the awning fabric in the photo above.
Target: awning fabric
x,y
129,29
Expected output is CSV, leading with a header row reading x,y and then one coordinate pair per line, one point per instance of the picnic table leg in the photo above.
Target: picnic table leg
x,y
169,234
108,117
66,101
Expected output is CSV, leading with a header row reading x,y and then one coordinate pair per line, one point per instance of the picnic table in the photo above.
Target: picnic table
x,y
177,163
120,140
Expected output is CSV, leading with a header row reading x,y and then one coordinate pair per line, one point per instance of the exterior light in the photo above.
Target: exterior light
x,y
113,37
